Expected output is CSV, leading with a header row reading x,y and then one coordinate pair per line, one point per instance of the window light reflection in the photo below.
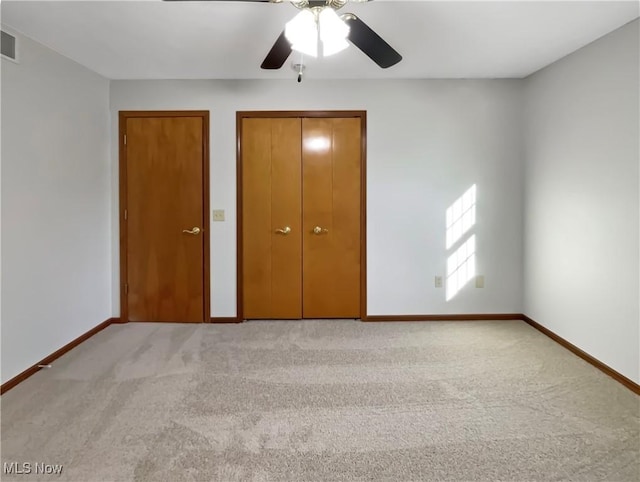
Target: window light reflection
x,y
461,267
461,216
317,144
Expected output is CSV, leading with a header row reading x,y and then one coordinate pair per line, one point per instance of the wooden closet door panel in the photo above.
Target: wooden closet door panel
x,y
271,200
256,217
286,198
331,201
165,273
317,189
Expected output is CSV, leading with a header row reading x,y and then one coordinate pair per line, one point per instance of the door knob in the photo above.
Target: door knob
x,y
284,231
195,230
319,230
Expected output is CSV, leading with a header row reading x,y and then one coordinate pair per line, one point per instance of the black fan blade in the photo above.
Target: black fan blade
x,y
363,37
278,54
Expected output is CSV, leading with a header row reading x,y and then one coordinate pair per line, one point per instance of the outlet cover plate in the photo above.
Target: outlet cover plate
x,y
218,214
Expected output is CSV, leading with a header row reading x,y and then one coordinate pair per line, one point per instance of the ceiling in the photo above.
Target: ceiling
x,y
228,40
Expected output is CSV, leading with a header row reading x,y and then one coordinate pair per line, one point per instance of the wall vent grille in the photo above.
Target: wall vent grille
x,y
8,44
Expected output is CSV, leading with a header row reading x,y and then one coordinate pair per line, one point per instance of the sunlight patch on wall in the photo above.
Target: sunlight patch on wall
x,y
461,267
461,216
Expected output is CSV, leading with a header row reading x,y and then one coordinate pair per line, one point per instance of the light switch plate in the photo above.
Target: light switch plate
x,y
218,214
480,281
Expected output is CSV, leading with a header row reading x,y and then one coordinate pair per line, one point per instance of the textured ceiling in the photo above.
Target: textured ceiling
x,y
209,40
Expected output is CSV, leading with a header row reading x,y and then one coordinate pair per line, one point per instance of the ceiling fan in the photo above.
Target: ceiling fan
x,y
318,18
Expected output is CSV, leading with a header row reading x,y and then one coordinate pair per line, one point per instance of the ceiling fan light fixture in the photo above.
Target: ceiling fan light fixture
x,y
333,32
331,25
308,47
333,46
302,32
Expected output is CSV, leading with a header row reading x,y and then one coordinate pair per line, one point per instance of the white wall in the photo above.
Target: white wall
x,y
428,141
56,254
582,203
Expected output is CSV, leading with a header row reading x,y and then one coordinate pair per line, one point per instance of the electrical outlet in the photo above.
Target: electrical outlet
x,y
480,281
438,281
218,214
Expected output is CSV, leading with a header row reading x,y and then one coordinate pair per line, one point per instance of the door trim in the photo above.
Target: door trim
x,y
362,115
122,120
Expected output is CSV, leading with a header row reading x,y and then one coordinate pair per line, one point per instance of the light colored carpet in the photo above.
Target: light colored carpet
x,y
323,400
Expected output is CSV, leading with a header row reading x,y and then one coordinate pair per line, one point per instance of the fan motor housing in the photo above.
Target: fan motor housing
x,y
335,4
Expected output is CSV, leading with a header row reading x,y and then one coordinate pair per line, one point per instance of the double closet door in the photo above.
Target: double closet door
x,y
301,217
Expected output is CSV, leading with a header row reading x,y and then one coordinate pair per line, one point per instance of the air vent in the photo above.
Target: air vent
x,y
8,44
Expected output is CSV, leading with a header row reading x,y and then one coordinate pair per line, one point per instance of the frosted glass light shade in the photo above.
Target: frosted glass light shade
x,y
330,47
333,32
302,32
331,25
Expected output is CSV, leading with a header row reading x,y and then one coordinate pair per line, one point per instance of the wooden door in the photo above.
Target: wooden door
x,y
165,218
271,218
331,159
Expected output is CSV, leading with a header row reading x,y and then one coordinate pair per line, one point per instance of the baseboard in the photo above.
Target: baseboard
x,y
225,319
213,319
446,317
8,385
630,384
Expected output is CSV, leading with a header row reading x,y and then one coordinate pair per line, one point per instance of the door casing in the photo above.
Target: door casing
x,y
123,116
362,115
